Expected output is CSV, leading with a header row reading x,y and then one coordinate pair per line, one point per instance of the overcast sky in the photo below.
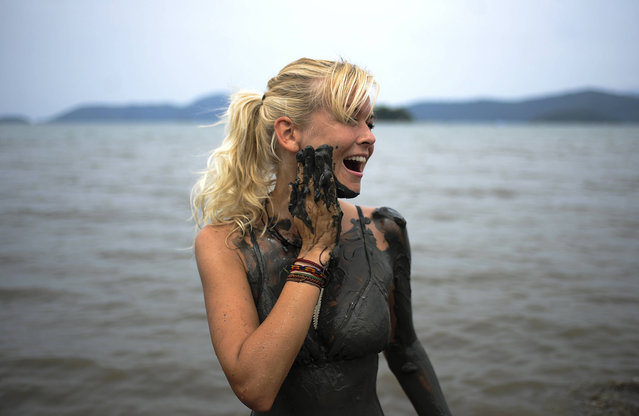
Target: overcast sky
x,y
58,54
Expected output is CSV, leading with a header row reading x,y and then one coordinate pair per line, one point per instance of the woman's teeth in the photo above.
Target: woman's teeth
x,y
355,163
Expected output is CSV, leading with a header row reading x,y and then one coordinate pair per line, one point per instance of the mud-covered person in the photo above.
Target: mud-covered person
x,y
302,289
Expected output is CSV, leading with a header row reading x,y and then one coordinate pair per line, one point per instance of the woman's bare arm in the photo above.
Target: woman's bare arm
x,y
255,358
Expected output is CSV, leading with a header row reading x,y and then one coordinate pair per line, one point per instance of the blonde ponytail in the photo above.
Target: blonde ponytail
x,y
241,172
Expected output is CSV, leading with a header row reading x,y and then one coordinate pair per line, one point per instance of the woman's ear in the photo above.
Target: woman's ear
x,y
285,131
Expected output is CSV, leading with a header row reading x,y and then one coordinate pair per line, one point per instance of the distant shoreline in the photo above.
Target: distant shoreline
x,y
585,106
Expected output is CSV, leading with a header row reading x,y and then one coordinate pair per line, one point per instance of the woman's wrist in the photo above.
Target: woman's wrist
x,y
321,257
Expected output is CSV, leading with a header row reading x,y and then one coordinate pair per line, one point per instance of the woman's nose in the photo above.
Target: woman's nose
x,y
367,136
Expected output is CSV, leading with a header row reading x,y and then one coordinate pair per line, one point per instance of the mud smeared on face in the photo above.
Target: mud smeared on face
x,y
344,192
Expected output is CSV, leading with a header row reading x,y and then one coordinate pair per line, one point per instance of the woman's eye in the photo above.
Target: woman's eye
x,y
352,121
370,122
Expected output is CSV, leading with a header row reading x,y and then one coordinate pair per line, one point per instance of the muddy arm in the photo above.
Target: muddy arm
x,y
406,356
416,375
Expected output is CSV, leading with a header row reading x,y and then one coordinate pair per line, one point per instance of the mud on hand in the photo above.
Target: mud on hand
x,y
313,202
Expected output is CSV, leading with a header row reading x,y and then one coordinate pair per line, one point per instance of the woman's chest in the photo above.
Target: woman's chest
x,y
354,319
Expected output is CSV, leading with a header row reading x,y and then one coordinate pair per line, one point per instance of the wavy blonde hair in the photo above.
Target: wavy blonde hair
x,y
241,172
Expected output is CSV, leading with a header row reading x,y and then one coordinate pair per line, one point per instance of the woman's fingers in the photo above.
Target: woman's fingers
x,y
324,180
307,161
299,191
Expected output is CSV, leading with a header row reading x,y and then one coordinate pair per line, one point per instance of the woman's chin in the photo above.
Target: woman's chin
x,y
344,191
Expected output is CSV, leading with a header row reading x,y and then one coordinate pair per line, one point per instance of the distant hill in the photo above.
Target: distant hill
x,y
206,110
582,106
13,120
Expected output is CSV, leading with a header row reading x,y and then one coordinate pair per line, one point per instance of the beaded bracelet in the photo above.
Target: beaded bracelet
x,y
308,269
314,267
311,275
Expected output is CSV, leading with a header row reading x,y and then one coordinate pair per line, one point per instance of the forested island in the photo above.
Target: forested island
x,y
384,113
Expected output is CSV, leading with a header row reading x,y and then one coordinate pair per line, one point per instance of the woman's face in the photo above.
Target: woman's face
x,y
352,143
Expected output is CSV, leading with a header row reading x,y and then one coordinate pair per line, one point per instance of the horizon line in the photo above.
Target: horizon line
x,y
406,103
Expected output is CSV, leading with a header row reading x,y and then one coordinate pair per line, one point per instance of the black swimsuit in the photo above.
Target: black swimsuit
x,y
336,370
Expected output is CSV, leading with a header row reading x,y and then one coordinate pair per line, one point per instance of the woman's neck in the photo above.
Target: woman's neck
x,y
277,205
281,194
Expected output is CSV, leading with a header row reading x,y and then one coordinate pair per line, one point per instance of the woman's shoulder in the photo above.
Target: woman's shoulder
x,y
387,224
218,241
384,217
389,228
214,233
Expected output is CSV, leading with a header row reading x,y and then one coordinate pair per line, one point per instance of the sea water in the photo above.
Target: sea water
x,y
525,268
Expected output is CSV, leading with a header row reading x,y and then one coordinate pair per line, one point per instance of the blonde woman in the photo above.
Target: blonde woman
x,y
302,289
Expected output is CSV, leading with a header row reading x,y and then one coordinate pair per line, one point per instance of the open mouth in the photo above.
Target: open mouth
x,y
355,163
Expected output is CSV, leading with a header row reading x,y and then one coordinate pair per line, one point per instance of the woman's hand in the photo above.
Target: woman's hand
x,y
316,212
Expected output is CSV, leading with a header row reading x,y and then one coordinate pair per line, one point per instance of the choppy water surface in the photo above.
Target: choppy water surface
x,y
525,267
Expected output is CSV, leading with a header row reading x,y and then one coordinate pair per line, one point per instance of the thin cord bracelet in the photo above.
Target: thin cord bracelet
x,y
320,279
311,263
304,279
317,279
